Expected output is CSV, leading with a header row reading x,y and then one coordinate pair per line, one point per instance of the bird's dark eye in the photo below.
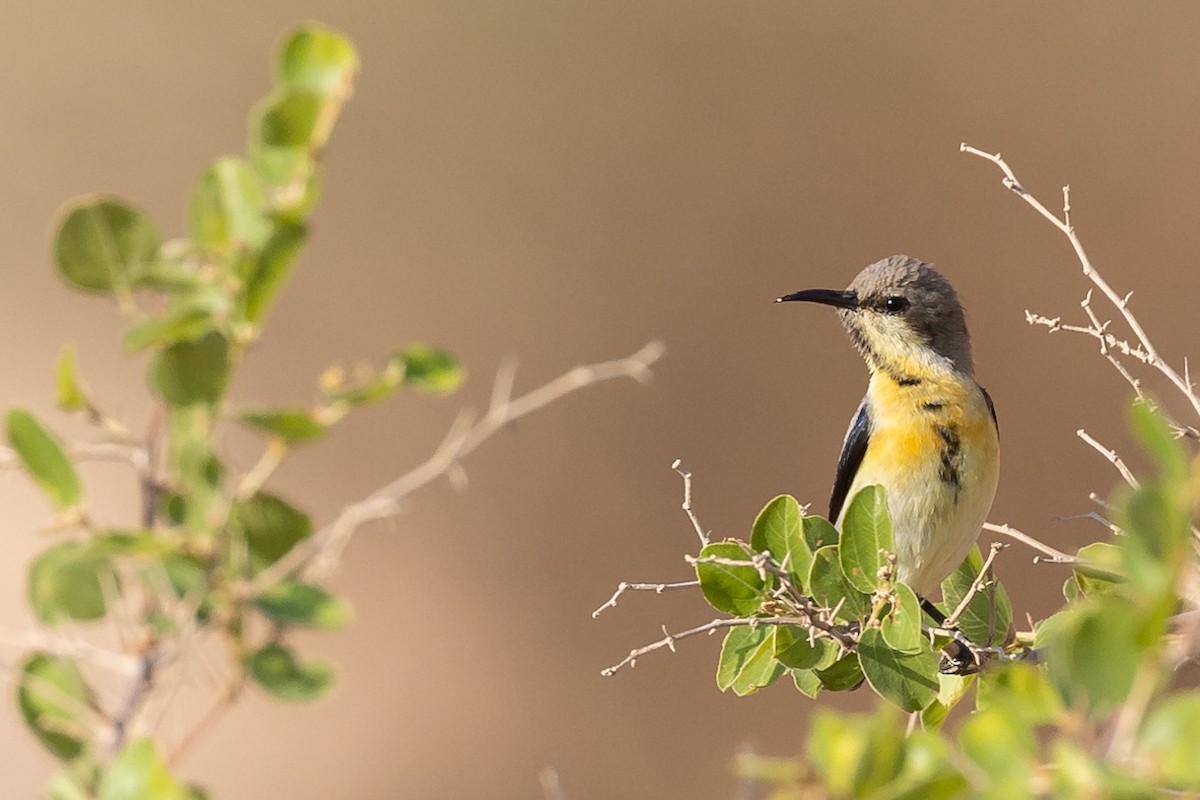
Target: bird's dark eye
x,y
895,305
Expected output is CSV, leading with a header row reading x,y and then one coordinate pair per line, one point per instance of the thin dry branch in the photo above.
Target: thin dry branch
x,y
669,639
1111,456
1024,538
1149,354
319,555
657,588
687,501
977,585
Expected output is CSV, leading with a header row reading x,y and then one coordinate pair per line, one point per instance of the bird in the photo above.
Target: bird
x,y
926,431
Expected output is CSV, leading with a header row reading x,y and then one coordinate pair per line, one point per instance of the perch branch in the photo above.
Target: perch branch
x,y
977,585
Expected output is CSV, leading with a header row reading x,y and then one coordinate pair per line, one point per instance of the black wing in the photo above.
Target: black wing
x,y
853,450
991,408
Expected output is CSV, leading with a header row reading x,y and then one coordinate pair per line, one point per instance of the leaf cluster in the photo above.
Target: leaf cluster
x,y
212,549
1096,712
826,609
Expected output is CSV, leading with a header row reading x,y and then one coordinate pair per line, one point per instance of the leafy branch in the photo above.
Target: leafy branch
x,y
206,589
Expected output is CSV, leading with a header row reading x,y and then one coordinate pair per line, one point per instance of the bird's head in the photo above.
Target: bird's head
x,y
903,316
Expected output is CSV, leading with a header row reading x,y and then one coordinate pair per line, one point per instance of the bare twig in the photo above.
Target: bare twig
x,y
1025,538
981,580
669,639
1152,357
657,588
1111,456
320,554
687,501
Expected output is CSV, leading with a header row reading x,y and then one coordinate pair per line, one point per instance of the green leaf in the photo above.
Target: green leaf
x,y
131,544
737,590
747,661
778,530
229,210
318,60
842,675
276,669
271,526
191,372
793,649
930,771
909,680
44,459
1095,650
901,627
806,681
1167,450
289,120
295,603
186,573
294,426
1099,568
819,532
189,317
66,583
65,785
368,388
103,244
56,703
71,394
1022,690
139,773
1170,741
857,755
951,690
866,534
1004,748
1157,539
988,617
829,586
430,369
271,269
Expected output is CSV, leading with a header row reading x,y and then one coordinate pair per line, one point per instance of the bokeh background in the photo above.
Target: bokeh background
x,y
565,181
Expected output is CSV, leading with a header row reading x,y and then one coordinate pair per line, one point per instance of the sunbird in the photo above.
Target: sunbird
x,y
925,431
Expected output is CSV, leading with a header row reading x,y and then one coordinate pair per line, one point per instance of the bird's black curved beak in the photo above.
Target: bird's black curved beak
x,y
829,297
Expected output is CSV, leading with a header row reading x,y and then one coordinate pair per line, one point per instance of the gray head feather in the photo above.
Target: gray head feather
x,y
932,311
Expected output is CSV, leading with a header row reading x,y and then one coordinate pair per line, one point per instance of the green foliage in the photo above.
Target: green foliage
x,y
104,244
55,702
201,554
138,772
735,589
192,371
276,669
270,527
866,539
778,530
44,459
806,616
1091,711
303,604
292,426
71,394
988,615
68,582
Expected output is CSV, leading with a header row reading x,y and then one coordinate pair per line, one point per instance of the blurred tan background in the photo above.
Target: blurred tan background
x,y
565,181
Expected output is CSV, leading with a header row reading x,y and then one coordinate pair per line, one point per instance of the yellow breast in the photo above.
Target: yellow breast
x,y
934,448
